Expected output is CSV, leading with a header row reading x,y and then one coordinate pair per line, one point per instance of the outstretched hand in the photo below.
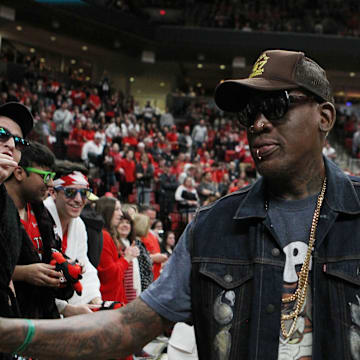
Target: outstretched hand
x,y
72,310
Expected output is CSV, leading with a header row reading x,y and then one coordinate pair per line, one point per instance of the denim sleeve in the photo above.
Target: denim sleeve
x,y
169,295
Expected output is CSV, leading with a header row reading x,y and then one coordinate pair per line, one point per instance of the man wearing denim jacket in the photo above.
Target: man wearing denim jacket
x,y
267,272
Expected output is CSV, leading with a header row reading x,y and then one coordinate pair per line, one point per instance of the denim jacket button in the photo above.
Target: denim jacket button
x,y
275,252
228,278
270,308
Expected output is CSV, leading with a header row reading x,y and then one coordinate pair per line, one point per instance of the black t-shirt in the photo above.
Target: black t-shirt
x,y
291,221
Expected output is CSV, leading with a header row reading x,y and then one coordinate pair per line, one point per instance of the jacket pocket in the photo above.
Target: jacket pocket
x,y
348,271
230,284
341,310
223,297
340,286
227,276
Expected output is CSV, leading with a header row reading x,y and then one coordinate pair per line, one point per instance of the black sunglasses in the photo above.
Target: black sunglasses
x,y
273,106
71,193
20,143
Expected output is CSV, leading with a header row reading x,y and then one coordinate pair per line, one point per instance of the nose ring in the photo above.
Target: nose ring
x,y
252,127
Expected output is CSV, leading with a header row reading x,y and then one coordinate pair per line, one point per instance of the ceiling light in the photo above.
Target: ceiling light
x,y
73,61
32,50
352,74
117,44
222,67
42,60
55,24
84,48
199,66
132,79
53,38
199,84
19,28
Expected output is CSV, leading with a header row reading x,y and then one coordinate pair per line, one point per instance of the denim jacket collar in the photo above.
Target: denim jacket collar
x,y
340,195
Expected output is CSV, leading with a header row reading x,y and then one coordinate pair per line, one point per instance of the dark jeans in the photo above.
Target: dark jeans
x,y
60,147
126,188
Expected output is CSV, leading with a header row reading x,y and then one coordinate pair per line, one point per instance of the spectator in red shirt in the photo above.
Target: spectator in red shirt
x,y
94,100
141,149
116,154
181,163
115,257
151,242
238,184
131,139
172,137
127,169
78,96
88,131
37,282
132,276
218,171
206,159
77,134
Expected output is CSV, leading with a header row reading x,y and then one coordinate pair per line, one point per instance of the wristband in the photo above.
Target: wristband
x,y
28,338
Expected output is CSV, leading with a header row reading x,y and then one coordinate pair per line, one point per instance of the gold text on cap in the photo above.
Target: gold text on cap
x,y
258,67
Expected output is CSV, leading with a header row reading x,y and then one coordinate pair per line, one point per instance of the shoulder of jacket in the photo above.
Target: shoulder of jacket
x,y
234,196
355,180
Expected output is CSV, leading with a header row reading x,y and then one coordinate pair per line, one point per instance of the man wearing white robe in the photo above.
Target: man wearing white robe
x,y
65,206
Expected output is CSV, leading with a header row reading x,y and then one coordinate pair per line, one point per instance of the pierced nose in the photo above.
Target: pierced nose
x,y
260,125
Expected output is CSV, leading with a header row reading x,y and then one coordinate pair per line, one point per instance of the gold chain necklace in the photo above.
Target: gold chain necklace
x,y
300,294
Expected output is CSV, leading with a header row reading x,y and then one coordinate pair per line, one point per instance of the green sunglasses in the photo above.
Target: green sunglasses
x,y
48,175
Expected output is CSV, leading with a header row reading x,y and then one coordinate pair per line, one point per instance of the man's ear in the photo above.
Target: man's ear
x,y
327,116
19,173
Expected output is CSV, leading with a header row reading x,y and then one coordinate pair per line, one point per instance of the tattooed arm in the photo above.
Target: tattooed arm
x,y
103,335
